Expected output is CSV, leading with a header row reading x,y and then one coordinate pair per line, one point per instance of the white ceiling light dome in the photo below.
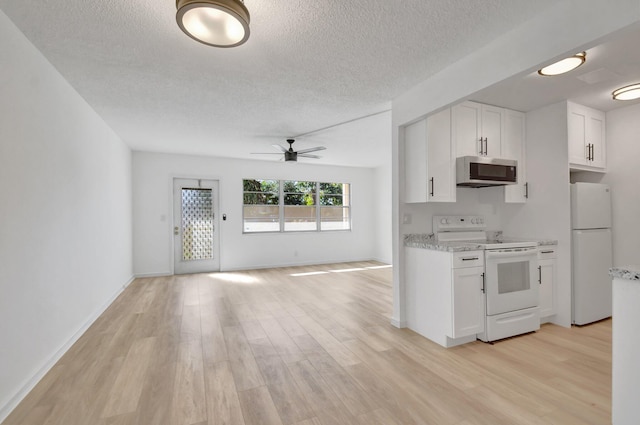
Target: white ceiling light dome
x,y
627,92
565,65
218,23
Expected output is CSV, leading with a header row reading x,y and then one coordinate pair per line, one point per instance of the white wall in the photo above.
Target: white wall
x,y
152,206
65,215
484,201
383,207
547,212
563,28
623,175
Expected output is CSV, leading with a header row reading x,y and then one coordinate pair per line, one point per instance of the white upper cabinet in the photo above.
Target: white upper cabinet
x,y
586,133
513,147
485,130
477,129
430,160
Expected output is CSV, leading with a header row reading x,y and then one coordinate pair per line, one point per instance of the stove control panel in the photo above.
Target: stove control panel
x,y
458,223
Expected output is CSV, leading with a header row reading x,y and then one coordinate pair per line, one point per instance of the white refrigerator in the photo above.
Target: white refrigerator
x,y
591,252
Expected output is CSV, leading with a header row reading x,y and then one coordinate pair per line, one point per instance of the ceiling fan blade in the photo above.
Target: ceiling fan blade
x,y
306,155
317,148
266,153
280,148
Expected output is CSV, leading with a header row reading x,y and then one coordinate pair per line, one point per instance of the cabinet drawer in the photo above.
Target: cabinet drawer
x,y
547,252
468,259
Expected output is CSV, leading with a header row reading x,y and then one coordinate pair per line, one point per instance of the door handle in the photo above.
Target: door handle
x,y
540,275
588,151
482,289
176,230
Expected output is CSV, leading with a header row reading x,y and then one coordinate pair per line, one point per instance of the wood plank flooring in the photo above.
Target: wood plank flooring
x,y
308,346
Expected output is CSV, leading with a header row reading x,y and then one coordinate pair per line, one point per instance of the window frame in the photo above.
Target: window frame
x,y
346,194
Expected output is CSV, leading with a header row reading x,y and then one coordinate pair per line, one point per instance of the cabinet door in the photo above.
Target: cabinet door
x,y
466,128
415,162
547,282
491,130
513,147
440,159
468,301
577,133
596,137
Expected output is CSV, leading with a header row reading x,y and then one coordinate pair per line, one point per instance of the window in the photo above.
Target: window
x,y
295,206
335,213
261,209
300,206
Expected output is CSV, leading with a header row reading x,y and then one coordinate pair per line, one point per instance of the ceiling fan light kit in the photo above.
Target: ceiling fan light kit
x,y
564,66
218,23
627,93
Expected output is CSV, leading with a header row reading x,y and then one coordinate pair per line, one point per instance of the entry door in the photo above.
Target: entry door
x,y
195,225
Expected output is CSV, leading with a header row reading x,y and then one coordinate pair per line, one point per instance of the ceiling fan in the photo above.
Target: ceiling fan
x,y
290,154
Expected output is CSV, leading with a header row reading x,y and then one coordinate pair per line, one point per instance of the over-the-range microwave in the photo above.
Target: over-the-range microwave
x,y
479,171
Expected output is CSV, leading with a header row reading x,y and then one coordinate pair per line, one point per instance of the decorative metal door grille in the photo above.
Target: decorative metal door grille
x,y
197,224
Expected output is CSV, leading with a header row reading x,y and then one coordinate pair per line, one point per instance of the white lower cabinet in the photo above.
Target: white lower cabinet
x,y
547,269
444,294
468,302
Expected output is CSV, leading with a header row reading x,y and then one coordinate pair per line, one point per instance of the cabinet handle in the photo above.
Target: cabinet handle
x,y
432,186
546,252
482,289
588,151
540,275
526,190
593,153
481,146
470,258
486,146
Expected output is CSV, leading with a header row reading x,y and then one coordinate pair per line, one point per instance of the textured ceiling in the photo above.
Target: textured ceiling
x,y
308,65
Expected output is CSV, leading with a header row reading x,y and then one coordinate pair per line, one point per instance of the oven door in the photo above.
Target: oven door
x,y
511,279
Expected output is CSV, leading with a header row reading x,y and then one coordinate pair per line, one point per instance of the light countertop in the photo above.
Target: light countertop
x,y
626,272
428,241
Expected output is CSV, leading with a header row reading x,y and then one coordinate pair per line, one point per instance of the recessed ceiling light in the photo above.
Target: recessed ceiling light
x,y
218,23
627,93
565,65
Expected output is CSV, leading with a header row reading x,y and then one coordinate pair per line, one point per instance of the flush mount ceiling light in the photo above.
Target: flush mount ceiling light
x,y
218,23
565,65
627,93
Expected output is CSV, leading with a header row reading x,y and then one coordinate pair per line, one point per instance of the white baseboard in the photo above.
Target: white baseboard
x,y
159,274
398,324
300,264
6,409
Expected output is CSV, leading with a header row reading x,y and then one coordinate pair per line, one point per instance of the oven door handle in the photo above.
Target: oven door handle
x,y
508,253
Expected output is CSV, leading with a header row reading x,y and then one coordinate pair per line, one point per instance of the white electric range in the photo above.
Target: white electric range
x,y
511,275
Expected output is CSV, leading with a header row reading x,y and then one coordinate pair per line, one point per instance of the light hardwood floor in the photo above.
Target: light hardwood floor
x,y
276,347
